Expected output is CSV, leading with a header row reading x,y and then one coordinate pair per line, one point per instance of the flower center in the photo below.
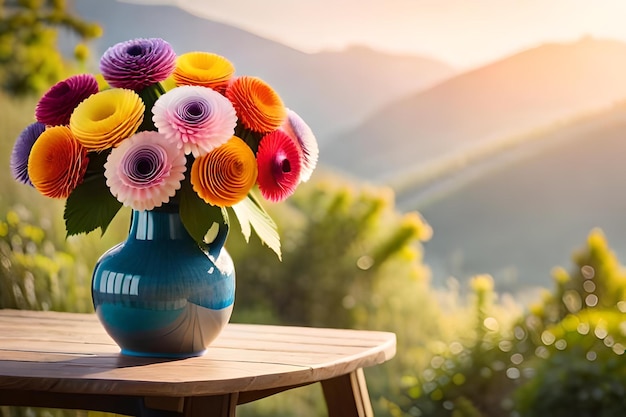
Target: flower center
x,y
104,111
144,167
195,109
286,165
60,90
134,50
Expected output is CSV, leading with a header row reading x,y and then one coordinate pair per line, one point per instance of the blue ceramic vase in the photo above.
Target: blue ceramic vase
x,y
158,293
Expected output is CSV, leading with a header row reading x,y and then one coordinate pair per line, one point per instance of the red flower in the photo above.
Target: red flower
x,y
280,163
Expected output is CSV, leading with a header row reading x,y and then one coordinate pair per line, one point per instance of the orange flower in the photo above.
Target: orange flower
x,y
225,175
205,69
258,106
57,162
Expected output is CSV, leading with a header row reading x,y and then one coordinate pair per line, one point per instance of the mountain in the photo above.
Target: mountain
x,y
332,91
521,213
478,108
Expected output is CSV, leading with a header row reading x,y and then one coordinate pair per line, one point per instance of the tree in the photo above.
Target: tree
x,y
29,57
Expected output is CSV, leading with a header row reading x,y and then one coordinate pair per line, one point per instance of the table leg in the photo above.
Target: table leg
x,y
213,406
347,396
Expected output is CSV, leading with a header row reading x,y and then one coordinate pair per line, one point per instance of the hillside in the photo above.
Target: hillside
x,y
332,91
518,215
533,88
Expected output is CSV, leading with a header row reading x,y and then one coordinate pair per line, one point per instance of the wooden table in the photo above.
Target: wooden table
x,y
64,360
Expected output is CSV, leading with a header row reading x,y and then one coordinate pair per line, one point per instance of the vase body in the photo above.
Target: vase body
x,y
158,293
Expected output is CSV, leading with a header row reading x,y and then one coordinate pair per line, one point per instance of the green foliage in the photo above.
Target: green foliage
x,y
584,373
582,329
47,412
34,274
91,205
564,357
29,59
198,216
337,239
473,374
251,215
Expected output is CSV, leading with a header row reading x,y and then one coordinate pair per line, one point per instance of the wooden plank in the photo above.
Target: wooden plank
x,y
112,365
311,332
226,339
51,345
47,315
308,359
80,344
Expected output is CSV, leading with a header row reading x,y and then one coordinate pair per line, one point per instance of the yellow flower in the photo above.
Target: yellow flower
x,y
224,176
105,119
205,69
57,162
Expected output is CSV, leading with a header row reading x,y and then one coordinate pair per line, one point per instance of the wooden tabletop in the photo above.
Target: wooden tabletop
x,y
71,353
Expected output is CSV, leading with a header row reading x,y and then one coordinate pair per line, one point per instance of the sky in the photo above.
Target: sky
x,y
463,33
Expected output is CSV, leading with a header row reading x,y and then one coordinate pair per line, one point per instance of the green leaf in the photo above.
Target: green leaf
x,y
250,213
91,205
199,217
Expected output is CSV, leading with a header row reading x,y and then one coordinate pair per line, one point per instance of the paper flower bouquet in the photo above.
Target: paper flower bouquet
x,y
157,130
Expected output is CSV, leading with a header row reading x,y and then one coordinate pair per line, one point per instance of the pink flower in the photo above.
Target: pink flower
x,y
298,130
280,165
197,119
145,170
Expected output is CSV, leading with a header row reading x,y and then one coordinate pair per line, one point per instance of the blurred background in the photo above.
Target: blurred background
x,y
469,193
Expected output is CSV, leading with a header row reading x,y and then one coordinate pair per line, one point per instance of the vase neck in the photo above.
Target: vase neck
x,y
157,225
163,225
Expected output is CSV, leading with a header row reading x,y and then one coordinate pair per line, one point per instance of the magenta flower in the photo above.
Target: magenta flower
x,y
198,119
145,170
56,106
298,130
21,151
280,165
138,63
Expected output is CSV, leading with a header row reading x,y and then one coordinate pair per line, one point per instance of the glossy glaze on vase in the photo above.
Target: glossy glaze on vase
x,y
158,293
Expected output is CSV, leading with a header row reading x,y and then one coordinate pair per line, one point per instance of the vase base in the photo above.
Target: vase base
x,y
166,355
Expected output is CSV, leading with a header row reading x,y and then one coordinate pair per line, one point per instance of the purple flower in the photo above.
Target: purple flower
x,y
58,103
21,151
198,119
138,63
